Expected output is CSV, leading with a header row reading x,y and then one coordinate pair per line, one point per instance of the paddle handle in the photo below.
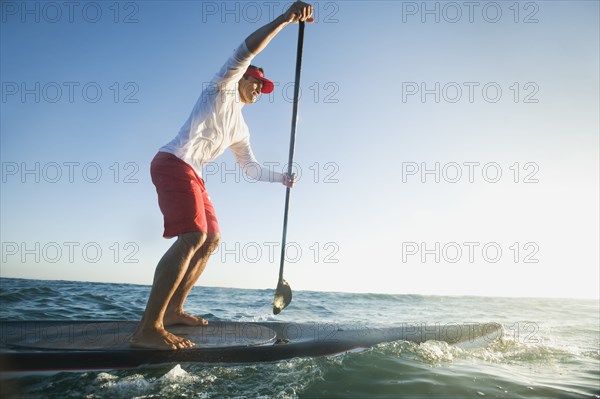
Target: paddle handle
x,y
292,143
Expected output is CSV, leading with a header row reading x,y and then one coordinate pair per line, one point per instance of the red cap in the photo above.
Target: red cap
x,y
267,86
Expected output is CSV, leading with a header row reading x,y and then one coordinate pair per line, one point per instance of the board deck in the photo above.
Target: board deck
x,y
89,345
116,335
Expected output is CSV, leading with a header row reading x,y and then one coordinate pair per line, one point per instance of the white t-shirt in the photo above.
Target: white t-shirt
x,y
216,123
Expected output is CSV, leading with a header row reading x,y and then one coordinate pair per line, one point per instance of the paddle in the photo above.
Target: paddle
x,y
283,293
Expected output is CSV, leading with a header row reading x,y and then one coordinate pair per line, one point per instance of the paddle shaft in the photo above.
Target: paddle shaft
x,y
292,143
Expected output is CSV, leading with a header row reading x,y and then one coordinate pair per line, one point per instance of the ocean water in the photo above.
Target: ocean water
x,y
550,347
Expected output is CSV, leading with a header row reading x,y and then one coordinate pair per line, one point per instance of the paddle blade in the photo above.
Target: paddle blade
x,y
283,296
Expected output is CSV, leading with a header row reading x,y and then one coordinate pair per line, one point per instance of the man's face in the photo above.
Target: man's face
x,y
249,88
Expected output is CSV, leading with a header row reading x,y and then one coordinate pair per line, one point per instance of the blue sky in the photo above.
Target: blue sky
x,y
497,101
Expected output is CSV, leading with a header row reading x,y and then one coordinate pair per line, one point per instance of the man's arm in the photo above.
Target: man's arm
x,y
255,171
258,40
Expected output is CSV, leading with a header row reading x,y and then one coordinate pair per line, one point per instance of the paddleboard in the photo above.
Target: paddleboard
x,y
95,345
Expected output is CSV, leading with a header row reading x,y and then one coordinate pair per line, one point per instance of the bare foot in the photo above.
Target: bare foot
x,y
159,339
181,317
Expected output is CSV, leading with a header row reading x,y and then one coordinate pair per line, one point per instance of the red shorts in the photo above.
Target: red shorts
x,y
182,197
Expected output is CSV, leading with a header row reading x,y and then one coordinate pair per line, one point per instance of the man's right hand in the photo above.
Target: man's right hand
x,y
299,11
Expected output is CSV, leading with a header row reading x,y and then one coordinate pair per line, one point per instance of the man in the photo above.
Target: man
x,y
215,124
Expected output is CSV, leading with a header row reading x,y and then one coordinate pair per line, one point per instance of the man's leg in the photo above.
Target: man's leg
x,y
169,273
174,313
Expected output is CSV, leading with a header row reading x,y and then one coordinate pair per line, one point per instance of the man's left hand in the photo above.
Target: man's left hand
x,y
288,180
